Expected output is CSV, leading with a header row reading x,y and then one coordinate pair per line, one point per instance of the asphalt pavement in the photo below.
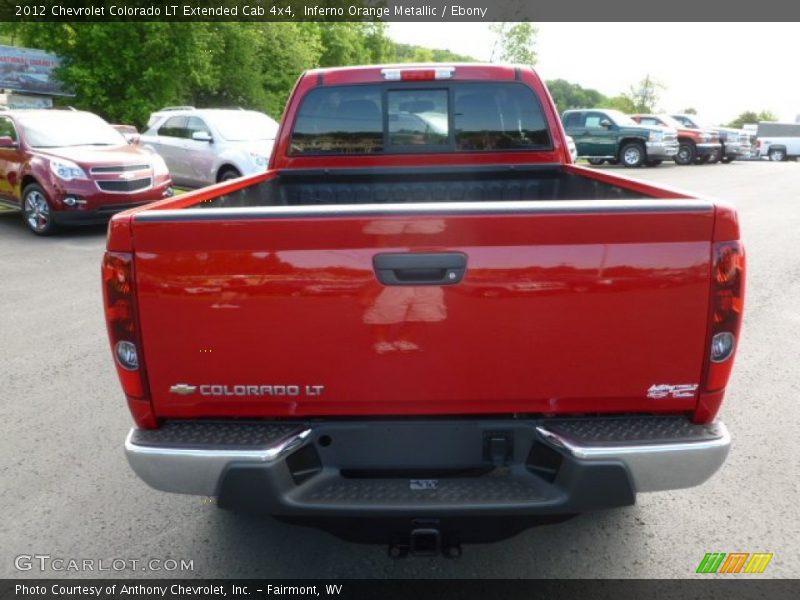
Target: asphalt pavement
x,y
66,490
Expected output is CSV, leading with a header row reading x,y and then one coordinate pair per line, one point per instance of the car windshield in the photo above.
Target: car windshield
x,y
60,128
703,123
621,118
242,126
670,122
693,122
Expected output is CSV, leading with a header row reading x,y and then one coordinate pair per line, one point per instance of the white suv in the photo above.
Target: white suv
x,y
206,145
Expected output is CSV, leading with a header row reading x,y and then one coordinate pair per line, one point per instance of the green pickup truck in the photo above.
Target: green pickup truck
x,y
603,135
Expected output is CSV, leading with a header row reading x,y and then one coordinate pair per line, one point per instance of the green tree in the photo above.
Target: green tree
x,y
750,116
8,32
568,95
410,53
343,44
767,115
233,43
747,116
514,43
621,103
287,50
125,70
380,47
644,95
447,56
422,55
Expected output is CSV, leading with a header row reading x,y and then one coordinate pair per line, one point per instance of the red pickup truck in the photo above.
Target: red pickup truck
x,y
423,324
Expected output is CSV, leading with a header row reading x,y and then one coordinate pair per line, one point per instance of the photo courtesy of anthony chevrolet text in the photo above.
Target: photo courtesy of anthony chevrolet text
x,y
390,299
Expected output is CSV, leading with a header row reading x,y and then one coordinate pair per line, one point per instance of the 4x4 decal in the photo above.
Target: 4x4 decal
x,y
666,390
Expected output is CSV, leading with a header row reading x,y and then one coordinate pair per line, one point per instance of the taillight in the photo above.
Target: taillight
x,y
418,74
727,301
123,332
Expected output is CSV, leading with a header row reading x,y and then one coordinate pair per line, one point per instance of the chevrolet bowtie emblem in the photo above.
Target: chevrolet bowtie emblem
x,y
183,389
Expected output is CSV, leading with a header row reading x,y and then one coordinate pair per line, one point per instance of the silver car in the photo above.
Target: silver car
x,y
202,146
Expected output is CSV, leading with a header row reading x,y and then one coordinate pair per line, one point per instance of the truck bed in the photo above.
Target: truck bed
x,y
393,186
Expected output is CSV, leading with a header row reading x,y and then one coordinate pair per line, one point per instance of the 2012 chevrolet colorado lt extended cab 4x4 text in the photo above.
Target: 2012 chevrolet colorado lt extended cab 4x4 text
x,y
423,324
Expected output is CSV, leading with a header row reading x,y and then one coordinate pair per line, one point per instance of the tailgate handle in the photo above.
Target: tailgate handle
x,y
416,268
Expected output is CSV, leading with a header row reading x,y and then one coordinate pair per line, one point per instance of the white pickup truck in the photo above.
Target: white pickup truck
x,y
778,141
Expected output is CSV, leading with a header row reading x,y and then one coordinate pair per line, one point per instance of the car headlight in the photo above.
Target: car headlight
x,y
706,137
259,159
656,136
67,170
159,166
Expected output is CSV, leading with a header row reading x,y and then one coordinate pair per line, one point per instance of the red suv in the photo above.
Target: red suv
x,y
67,167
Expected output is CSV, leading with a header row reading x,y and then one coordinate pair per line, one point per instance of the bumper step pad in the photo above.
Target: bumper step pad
x,y
632,430
222,435
387,492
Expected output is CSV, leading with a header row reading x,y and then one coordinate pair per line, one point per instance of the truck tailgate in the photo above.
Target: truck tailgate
x,y
564,306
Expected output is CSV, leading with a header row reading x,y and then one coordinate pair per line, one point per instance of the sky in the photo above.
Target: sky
x,y
753,66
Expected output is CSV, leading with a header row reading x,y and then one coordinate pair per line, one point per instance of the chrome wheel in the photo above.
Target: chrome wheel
x,y
37,211
686,154
777,155
632,155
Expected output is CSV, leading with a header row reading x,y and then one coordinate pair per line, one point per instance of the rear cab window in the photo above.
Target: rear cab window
x,y
342,120
649,121
417,117
446,117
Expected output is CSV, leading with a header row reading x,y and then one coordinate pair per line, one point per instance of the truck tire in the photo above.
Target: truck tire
x,y
728,159
37,212
777,154
713,159
686,153
596,162
653,163
701,160
632,155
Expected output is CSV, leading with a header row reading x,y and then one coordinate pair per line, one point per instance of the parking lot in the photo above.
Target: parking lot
x,y
67,490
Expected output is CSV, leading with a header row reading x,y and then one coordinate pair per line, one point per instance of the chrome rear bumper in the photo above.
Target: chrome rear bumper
x,y
198,471
653,466
564,465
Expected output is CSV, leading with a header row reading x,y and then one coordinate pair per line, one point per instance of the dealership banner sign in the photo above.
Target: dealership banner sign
x,y
29,70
